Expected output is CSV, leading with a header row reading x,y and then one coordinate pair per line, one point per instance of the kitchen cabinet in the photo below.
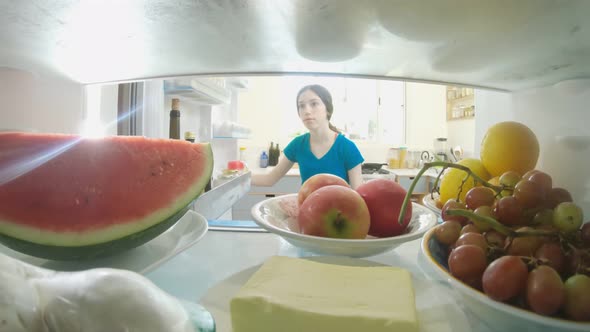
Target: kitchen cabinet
x,y
423,186
405,177
460,103
289,184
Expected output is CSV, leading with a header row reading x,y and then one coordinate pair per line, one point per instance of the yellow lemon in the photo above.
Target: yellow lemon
x,y
509,146
452,181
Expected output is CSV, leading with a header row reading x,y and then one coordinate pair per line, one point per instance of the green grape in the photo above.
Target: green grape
x,y
577,297
509,179
567,217
485,211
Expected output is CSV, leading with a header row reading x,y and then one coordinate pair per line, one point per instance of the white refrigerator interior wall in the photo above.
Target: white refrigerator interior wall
x,y
40,104
551,112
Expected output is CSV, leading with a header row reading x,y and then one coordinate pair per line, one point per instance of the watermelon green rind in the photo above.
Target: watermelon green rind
x,y
93,251
44,208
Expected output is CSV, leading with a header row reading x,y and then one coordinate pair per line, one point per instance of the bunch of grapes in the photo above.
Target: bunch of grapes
x,y
522,242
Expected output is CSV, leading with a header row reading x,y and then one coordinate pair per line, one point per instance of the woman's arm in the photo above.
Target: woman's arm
x,y
355,176
269,179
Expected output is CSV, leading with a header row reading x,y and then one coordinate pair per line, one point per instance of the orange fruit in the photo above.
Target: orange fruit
x,y
452,180
509,146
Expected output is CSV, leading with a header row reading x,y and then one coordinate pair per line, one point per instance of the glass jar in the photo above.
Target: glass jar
x,y
440,148
403,151
393,155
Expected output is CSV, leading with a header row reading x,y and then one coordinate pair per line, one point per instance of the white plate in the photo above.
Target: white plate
x,y
497,315
187,231
429,200
437,311
276,215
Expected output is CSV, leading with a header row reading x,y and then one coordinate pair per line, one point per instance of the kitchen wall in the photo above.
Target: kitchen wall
x,y
553,113
426,115
260,108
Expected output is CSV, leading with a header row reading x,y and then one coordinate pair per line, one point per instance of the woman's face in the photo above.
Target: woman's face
x,y
312,110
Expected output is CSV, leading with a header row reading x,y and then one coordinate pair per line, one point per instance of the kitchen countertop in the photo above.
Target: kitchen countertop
x,y
257,170
220,254
410,172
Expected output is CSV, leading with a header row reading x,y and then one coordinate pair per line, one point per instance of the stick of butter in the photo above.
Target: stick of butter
x,y
291,294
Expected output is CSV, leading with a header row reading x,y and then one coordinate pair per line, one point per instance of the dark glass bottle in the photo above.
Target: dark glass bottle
x,y
175,119
271,155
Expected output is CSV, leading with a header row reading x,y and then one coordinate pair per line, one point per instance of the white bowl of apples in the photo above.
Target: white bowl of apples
x,y
308,224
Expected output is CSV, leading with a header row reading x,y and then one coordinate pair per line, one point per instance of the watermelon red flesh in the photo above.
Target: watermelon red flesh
x,y
95,190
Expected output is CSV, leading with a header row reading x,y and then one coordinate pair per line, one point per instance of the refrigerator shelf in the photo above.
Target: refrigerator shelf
x,y
215,202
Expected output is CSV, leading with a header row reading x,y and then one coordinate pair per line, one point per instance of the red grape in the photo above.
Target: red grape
x,y
577,297
573,262
543,180
479,196
585,234
467,263
495,238
448,232
470,228
556,196
528,174
545,292
509,211
453,204
474,239
505,278
528,193
524,245
550,253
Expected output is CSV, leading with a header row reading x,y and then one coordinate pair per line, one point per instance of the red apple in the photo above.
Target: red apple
x,y
334,211
384,199
317,181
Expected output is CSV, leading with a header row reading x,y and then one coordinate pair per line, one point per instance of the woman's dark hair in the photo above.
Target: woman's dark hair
x,y
326,98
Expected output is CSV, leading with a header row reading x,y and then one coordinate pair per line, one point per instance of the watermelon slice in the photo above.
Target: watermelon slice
x,y
66,197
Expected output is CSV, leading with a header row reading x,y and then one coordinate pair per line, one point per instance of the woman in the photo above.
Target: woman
x,y
322,150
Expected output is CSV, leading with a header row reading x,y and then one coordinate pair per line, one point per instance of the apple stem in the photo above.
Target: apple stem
x,y
444,166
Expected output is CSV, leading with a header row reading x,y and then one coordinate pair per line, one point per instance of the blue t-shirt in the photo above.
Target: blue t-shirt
x,y
342,156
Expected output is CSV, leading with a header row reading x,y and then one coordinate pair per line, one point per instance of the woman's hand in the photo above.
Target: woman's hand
x,y
269,179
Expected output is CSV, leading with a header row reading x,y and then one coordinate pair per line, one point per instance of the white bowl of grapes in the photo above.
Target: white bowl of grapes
x,y
518,258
